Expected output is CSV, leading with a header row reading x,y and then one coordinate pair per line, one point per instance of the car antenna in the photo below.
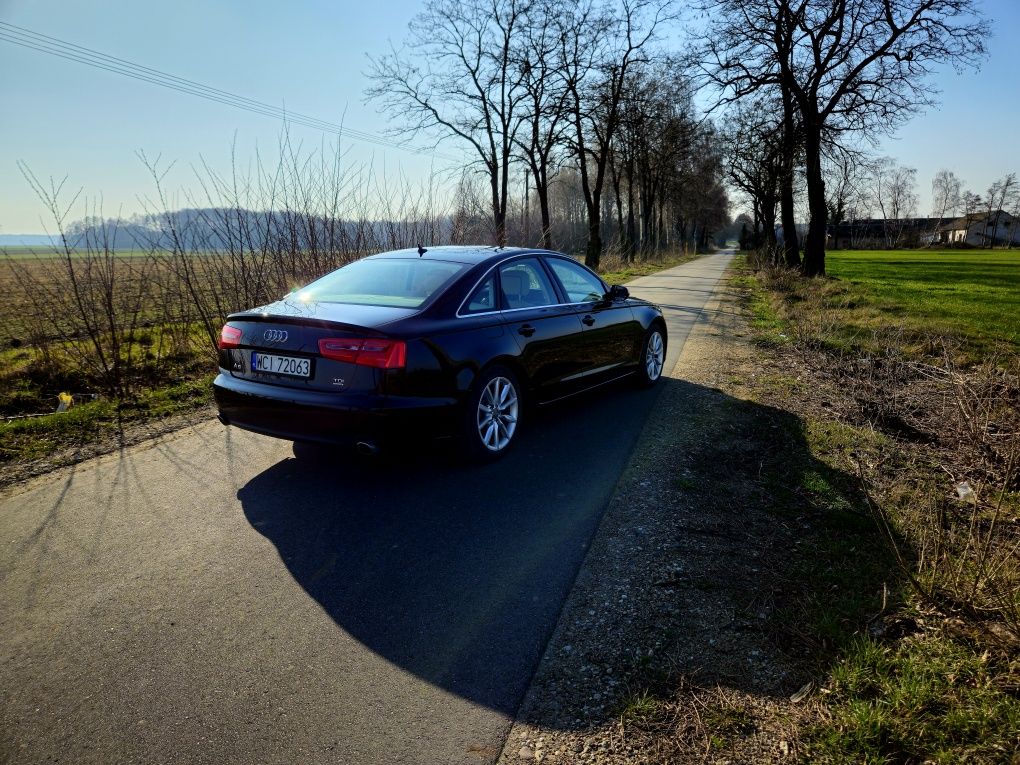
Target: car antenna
x,y
421,250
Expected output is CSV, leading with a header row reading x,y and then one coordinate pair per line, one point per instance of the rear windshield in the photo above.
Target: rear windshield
x,y
395,283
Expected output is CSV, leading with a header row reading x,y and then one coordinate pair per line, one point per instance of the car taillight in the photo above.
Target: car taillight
x,y
230,337
371,352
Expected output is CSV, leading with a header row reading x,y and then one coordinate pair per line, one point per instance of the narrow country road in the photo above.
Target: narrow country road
x,y
210,599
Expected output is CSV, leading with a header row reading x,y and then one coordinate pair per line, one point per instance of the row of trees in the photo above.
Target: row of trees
x,y
864,192
563,92
535,87
810,80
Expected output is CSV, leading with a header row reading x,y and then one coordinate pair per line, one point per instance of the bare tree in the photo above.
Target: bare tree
x,y
844,178
970,203
460,77
754,164
92,301
697,198
658,134
945,198
546,120
893,191
999,194
599,47
860,66
1014,212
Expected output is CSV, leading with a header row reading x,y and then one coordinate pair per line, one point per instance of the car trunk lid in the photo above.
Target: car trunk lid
x,y
279,345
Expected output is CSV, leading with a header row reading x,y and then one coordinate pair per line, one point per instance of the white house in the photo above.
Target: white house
x,y
981,229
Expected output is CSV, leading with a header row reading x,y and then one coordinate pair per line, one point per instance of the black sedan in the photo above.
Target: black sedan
x,y
449,341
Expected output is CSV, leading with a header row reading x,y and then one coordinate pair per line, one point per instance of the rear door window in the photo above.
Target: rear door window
x,y
525,285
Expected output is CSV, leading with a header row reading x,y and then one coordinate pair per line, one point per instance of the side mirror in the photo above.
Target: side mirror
x,y
618,292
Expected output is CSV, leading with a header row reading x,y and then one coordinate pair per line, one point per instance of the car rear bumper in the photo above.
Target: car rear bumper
x,y
334,418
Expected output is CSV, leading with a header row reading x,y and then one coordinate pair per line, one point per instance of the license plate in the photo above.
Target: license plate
x,y
281,365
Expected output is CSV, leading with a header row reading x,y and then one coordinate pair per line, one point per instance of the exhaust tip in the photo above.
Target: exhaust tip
x,y
222,418
366,448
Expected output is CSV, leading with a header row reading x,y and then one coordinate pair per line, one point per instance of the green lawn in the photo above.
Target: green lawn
x,y
973,295
933,692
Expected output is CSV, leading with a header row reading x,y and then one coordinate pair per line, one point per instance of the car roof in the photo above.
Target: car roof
x,y
470,254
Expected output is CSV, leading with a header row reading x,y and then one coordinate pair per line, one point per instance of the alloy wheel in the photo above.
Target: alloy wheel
x,y
655,356
497,414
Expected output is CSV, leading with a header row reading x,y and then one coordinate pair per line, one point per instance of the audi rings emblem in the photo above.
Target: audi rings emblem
x,y
274,335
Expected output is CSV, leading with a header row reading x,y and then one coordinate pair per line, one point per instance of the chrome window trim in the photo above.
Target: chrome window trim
x,y
513,310
494,266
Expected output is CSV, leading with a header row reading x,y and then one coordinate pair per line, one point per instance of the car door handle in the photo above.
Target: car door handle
x,y
589,320
526,329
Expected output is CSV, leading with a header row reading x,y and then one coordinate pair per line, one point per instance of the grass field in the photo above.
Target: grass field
x,y
27,252
972,296
928,685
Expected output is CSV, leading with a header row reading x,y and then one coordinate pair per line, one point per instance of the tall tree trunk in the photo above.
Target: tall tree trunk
x,y
615,179
543,206
498,214
767,218
526,222
814,245
632,233
593,255
504,193
791,245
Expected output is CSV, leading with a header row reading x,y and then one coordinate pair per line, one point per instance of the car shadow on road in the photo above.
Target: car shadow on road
x,y
457,573
454,572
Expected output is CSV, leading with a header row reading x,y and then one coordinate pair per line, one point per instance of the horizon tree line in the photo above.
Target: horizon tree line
x,y
553,93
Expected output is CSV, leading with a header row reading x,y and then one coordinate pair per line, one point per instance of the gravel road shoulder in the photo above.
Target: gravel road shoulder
x,y
665,650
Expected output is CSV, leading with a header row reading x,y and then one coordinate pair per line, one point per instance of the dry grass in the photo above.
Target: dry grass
x,y
947,478
929,426
616,270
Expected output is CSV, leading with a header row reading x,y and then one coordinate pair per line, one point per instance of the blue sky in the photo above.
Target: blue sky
x,y
66,119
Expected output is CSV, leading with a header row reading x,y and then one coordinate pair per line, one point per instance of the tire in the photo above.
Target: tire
x,y
652,361
492,417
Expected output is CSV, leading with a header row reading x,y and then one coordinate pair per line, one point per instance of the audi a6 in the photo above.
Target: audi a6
x,y
439,342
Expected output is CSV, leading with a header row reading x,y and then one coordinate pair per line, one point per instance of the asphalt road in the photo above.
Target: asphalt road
x,y
211,599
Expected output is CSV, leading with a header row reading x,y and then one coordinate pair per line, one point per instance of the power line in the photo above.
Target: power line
x,y
26,38
53,46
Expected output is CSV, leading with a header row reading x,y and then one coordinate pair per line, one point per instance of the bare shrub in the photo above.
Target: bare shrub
x,y
262,233
121,308
944,484
92,302
770,266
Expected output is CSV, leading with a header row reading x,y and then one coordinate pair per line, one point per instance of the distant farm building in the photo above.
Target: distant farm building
x,y
980,230
882,233
976,230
